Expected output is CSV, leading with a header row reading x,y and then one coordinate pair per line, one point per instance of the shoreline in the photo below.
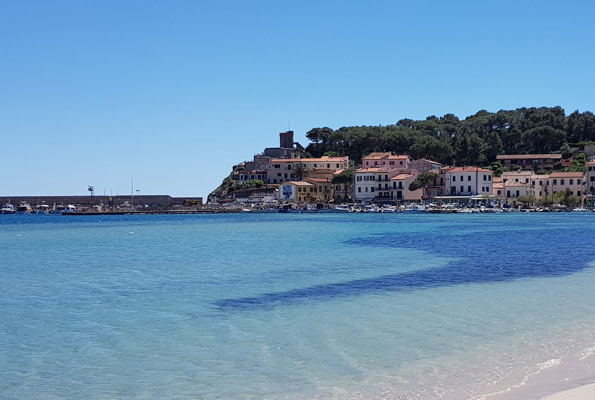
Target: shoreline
x,y
572,378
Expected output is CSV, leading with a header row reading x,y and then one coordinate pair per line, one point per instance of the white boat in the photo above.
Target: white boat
x,y
7,209
24,208
42,209
69,209
342,208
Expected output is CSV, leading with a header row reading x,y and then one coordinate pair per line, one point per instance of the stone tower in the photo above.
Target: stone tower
x,y
286,140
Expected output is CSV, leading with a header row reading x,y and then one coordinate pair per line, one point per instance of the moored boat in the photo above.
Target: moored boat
x,y
7,209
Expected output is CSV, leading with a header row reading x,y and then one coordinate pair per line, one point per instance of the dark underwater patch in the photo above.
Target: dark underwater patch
x,y
483,257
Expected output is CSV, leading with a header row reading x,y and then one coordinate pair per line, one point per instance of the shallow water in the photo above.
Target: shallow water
x,y
290,306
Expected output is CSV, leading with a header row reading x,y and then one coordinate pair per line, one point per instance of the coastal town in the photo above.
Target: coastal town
x,y
288,179
282,178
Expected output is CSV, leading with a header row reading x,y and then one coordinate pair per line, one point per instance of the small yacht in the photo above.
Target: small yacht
x,y
24,208
69,209
7,209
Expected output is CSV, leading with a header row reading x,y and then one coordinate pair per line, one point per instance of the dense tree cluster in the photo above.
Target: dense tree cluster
x,y
476,140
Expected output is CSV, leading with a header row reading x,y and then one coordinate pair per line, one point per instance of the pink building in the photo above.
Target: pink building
x,y
386,159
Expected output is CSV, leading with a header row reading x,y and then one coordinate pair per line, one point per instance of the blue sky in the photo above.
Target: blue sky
x,y
174,93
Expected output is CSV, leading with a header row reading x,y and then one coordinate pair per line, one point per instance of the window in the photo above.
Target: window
x,y
312,189
454,178
400,185
561,181
401,163
469,189
315,166
337,165
489,177
359,189
578,181
517,193
299,189
485,177
277,166
578,193
278,173
386,177
392,163
328,166
462,190
367,163
508,193
555,181
469,178
372,189
571,182
394,185
286,175
366,189
540,183
359,178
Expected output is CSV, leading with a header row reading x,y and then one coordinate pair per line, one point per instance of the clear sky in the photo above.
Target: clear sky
x,y
173,93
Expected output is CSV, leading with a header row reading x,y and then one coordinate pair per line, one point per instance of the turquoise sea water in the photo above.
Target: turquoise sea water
x,y
290,306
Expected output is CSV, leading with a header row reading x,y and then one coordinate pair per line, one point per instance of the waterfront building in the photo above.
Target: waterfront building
x,y
518,176
323,192
467,181
590,183
399,188
514,190
573,181
374,184
498,189
365,184
297,191
541,186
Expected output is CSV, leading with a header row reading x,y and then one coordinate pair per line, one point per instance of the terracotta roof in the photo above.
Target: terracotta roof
x,y
592,162
567,174
302,160
527,156
317,180
401,177
467,169
425,159
516,184
297,183
387,156
377,155
371,169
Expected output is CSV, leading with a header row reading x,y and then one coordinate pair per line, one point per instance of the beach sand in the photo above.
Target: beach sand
x,y
571,378
586,392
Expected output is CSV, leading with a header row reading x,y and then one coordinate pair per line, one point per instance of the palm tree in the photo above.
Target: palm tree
x,y
300,171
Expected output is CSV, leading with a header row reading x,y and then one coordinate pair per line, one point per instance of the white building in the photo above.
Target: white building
x,y
467,181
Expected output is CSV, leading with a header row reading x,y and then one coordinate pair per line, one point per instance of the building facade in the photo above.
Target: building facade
x,y
467,181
